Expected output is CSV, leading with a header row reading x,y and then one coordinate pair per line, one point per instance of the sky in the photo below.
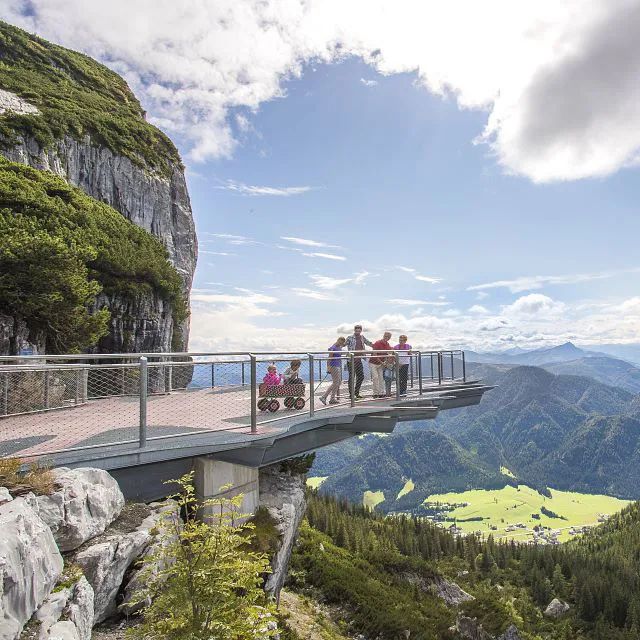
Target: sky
x,y
466,174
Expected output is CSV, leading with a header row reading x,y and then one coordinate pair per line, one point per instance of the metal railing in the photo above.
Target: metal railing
x,y
59,403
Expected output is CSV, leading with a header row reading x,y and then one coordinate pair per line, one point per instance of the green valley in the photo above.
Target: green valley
x,y
502,509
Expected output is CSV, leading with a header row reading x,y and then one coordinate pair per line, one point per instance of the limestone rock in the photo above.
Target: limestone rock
x,y
30,564
106,561
15,104
84,504
451,593
158,203
470,629
282,493
556,609
5,496
76,604
511,633
161,510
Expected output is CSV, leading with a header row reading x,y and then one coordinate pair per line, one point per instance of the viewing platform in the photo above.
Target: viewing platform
x,y
119,411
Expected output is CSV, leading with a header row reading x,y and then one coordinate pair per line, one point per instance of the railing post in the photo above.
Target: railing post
x,y
46,388
78,384
254,394
452,371
397,368
312,384
352,378
419,372
243,373
144,383
319,370
170,377
213,375
123,384
411,370
440,372
464,368
5,394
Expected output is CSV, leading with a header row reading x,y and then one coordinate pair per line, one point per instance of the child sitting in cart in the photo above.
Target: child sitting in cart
x,y
292,374
273,378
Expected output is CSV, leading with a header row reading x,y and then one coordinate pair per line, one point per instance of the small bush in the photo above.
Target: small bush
x,y
37,477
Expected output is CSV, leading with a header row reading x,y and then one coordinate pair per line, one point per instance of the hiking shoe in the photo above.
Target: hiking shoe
x,y
334,402
358,397
323,400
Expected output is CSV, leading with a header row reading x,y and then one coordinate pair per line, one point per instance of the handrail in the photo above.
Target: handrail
x,y
56,385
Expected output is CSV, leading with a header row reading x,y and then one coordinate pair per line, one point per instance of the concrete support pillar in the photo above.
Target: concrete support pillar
x,y
212,475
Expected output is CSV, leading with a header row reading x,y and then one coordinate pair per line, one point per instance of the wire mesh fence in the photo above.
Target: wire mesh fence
x,y
56,403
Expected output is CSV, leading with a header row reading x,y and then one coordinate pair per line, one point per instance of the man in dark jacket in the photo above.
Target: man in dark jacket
x,y
356,342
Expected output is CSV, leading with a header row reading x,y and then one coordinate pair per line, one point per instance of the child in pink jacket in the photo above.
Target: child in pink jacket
x,y
273,378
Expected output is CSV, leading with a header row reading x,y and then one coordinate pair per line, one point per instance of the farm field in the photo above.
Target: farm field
x,y
511,505
315,481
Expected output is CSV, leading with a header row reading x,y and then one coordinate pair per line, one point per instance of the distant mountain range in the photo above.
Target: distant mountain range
x,y
560,353
565,359
563,431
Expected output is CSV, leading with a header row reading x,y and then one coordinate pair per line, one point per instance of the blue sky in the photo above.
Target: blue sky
x,y
395,180
464,172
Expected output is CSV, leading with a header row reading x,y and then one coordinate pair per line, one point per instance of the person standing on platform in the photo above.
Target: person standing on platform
x,y
404,359
334,367
356,342
376,365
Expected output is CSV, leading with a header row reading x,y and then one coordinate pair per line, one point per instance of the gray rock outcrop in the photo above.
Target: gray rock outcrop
x,y
170,511
451,593
470,629
511,633
158,203
30,564
282,494
85,503
106,560
67,613
556,609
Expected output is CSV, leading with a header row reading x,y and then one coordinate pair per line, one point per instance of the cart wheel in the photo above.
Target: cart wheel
x,y
299,403
288,402
274,405
263,404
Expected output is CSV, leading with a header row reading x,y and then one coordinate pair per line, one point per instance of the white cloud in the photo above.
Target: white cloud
x,y
361,276
326,282
428,279
215,253
408,302
527,283
562,103
310,293
368,83
478,308
308,243
253,190
325,256
534,304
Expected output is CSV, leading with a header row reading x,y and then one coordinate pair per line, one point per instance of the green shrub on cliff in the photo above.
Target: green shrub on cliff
x,y
59,248
203,582
76,96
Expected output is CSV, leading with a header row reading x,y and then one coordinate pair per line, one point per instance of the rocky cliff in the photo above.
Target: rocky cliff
x,y
63,112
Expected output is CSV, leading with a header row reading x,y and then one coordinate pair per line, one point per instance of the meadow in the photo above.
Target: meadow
x,y
511,505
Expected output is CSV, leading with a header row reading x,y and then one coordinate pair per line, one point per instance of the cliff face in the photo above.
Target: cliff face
x,y
158,204
63,112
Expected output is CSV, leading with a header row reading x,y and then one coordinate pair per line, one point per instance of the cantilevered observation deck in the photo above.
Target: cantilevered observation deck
x,y
120,411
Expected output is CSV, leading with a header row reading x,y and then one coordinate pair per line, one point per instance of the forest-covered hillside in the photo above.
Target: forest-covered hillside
x,y
396,577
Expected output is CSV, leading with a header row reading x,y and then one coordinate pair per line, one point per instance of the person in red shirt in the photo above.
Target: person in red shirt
x,y
376,365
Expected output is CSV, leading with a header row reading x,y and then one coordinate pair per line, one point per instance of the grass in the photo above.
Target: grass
x,y
408,487
510,505
76,96
372,498
315,481
37,478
